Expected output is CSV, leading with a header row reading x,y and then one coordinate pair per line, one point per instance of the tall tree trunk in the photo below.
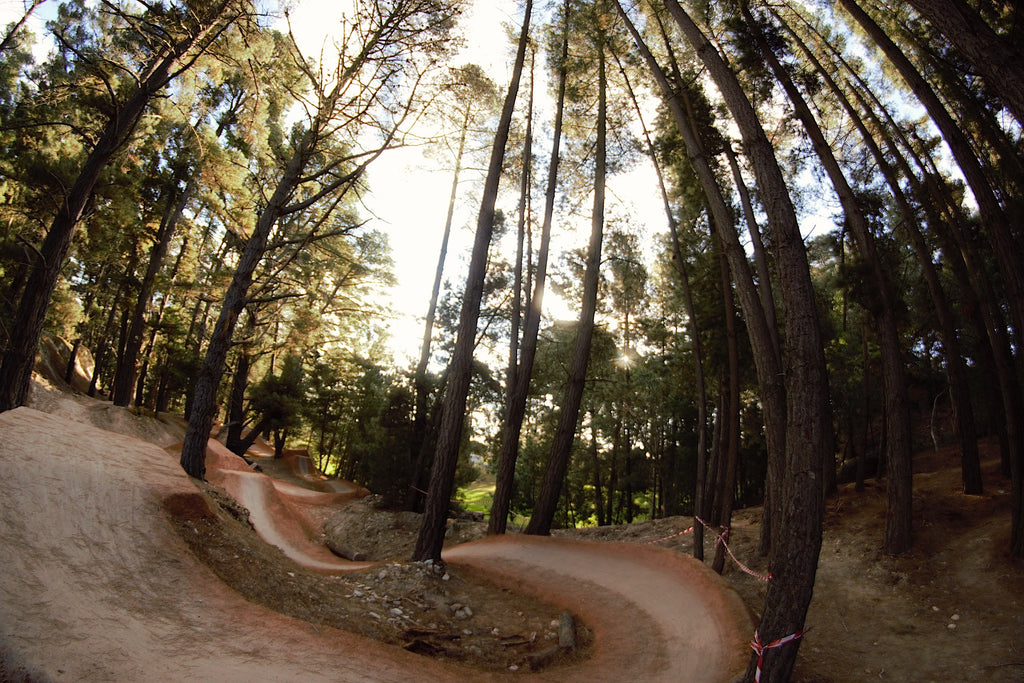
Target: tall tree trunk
x,y
419,430
602,518
561,446
726,490
16,368
512,371
995,57
236,400
794,553
442,474
516,411
517,285
899,479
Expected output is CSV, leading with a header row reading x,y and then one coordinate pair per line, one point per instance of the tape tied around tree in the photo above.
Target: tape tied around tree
x,y
759,648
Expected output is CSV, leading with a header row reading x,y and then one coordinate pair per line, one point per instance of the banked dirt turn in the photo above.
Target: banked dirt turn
x,y
97,585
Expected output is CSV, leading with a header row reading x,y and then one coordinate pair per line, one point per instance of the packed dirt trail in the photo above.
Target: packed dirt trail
x,y
98,584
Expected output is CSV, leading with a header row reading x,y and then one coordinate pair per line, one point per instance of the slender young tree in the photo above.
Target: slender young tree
x,y
525,186
476,94
460,369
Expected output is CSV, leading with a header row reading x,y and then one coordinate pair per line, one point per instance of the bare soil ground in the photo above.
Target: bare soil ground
x,y
952,609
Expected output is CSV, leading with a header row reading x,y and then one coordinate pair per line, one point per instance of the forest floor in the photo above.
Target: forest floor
x,y
950,609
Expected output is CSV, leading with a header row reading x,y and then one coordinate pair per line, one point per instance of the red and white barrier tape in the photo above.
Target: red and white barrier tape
x,y
759,648
671,536
723,539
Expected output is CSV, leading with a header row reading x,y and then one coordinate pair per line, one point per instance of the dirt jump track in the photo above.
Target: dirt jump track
x,y
97,585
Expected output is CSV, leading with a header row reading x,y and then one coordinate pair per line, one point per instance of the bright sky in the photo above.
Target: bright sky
x,y
409,192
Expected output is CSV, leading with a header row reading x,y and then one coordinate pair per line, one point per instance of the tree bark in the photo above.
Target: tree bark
x,y
442,475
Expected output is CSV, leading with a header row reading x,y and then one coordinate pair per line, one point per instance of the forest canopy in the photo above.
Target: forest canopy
x,y
725,254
